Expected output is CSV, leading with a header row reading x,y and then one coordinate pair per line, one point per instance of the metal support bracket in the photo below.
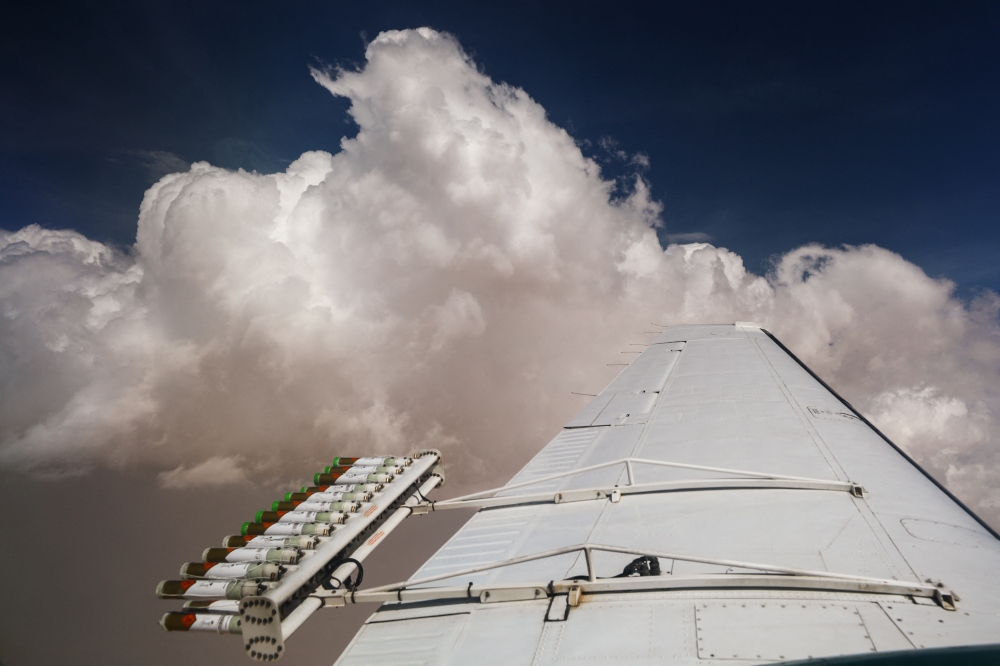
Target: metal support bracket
x,y
771,577
579,496
483,499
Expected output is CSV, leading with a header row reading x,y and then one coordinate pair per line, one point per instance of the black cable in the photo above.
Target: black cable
x,y
328,584
423,498
647,565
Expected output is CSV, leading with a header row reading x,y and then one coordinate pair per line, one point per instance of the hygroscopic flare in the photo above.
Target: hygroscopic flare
x,y
262,541
278,555
286,529
213,622
210,589
229,606
300,517
248,570
313,504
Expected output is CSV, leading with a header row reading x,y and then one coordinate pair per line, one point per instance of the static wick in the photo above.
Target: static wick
x,y
592,395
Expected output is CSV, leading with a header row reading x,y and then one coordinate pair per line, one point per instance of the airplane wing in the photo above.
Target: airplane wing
x,y
716,502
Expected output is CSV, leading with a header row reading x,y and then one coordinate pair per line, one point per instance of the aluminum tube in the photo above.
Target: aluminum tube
x,y
310,566
653,583
312,604
665,486
626,461
295,619
760,475
638,551
392,587
365,549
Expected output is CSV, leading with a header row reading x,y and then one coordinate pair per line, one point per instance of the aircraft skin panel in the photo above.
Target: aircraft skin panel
x,y
720,396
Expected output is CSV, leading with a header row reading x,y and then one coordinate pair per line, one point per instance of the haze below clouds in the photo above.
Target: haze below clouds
x,y
446,279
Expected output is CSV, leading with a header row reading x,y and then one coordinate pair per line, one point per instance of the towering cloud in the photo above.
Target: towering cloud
x,y
446,279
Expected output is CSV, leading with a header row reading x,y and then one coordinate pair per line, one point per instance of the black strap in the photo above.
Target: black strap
x,y
351,587
423,498
647,565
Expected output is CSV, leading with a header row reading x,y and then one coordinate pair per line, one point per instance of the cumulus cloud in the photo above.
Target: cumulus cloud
x,y
688,237
446,279
217,471
158,163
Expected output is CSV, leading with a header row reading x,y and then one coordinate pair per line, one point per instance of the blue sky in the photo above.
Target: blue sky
x,y
766,125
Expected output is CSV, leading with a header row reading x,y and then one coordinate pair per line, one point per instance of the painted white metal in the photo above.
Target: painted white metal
x,y
726,632
733,398
264,630
316,601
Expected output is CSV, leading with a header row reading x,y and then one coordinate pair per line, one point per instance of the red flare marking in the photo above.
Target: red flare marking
x,y
188,620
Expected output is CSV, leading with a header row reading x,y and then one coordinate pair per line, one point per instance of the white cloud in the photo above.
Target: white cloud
x,y
459,316
217,471
448,277
689,237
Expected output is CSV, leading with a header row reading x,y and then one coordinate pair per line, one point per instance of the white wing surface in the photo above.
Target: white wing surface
x,y
785,527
